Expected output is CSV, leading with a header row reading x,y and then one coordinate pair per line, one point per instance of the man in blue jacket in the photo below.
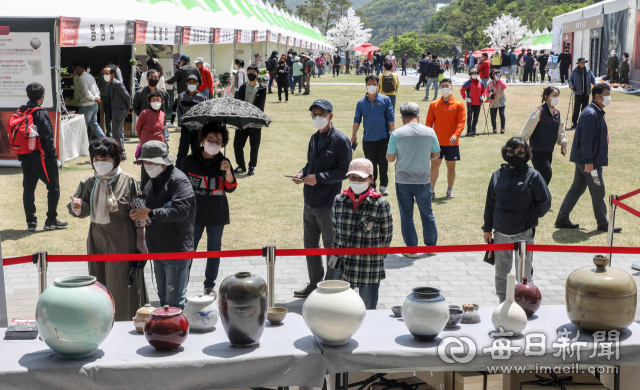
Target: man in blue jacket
x,y
423,69
580,82
328,159
590,152
513,68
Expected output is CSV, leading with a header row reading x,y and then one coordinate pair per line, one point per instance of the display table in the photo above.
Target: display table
x,y
288,356
383,344
74,141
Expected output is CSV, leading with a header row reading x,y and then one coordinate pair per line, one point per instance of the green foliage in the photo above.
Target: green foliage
x,y
407,15
224,79
323,13
414,45
282,4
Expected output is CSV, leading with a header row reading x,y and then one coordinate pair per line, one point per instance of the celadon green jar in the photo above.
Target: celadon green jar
x,y
75,315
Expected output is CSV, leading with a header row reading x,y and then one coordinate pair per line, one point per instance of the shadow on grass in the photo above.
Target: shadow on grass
x,y
574,236
10,171
14,234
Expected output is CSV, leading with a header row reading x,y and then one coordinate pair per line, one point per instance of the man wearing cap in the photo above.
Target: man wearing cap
x,y
180,77
272,65
186,100
612,67
307,68
206,87
361,219
328,158
254,93
118,104
336,65
171,207
472,92
580,82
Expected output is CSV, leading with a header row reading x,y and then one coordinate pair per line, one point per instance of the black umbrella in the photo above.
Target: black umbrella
x,y
229,111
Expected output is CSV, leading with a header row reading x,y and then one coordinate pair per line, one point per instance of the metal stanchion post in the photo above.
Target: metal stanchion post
x,y
521,265
40,259
3,298
269,252
612,220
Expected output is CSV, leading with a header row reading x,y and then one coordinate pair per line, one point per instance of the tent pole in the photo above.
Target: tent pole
x,y
134,118
58,91
213,51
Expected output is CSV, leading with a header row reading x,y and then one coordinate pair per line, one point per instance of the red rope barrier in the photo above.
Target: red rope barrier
x,y
626,208
629,195
583,249
17,260
393,250
154,256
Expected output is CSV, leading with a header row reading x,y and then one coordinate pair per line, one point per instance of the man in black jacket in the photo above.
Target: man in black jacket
x,y
433,71
543,59
423,69
182,73
41,164
328,158
141,103
378,61
186,100
336,65
565,63
254,93
171,207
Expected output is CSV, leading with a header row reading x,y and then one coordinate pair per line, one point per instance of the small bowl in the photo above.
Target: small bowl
x,y
454,307
397,310
476,306
275,315
455,316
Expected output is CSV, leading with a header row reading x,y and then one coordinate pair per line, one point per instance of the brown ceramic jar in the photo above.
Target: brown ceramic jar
x,y
528,297
601,298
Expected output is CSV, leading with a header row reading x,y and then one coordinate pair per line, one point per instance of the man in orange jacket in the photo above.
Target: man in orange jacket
x,y
446,117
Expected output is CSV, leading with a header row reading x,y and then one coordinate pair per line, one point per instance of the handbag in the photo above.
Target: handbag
x,y
489,256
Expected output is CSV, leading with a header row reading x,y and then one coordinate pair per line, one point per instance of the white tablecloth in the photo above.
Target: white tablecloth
x,y
74,141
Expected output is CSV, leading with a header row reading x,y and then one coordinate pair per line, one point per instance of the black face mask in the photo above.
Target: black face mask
x,y
153,82
252,76
515,161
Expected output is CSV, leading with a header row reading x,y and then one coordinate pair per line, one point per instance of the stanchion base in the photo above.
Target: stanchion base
x,y
636,265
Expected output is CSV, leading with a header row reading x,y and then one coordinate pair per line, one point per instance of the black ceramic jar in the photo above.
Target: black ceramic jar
x,y
243,309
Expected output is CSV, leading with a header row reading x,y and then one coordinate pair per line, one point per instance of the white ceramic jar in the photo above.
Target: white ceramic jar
x,y
334,312
201,313
425,313
509,315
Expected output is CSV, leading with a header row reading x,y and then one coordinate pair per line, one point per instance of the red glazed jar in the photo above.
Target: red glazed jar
x,y
528,297
167,328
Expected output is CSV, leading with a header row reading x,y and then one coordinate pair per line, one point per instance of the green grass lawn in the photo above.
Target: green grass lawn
x,y
267,208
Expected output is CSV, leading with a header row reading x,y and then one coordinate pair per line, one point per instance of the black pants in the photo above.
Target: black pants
x,y
564,73
494,112
33,171
421,81
283,85
376,152
336,70
580,103
404,70
528,74
473,113
240,140
187,138
542,73
542,163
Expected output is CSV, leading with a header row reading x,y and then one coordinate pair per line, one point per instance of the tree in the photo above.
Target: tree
x,y
323,13
505,32
312,11
348,33
406,43
282,4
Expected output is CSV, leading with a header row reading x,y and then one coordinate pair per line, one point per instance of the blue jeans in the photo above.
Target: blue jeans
x,y
296,80
271,78
505,71
393,101
172,277
91,119
369,294
513,71
214,243
378,69
206,93
406,193
434,81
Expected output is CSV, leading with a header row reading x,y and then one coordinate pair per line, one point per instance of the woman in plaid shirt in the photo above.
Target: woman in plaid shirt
x,y
361,219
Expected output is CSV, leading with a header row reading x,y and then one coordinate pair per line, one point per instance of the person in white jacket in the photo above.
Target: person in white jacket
x,y
88,98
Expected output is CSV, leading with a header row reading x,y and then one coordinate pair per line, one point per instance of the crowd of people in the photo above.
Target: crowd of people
x,y
179,198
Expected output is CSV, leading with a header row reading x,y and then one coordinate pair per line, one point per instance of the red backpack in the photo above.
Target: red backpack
x,y
24,135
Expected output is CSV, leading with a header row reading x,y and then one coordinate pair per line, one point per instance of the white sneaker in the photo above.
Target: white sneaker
x,y
410,255
384,191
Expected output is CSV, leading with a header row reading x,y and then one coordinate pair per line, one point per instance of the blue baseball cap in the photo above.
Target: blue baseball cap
x,y
324,104
185,57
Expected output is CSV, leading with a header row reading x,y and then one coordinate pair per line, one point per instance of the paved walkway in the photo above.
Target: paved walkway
x,y
462,277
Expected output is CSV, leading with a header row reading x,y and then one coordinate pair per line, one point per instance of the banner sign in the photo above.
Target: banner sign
x,y
243,36
583,24
225,35
158,33
192,35
260,35
290,41
96,32
274,37
283,39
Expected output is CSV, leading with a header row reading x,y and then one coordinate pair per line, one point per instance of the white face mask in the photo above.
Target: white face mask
x,y
372,89
445,91
102,167
153,170
107,77
606,100
156,105
320,122
192,87
474,76
554,101
212,149
358,187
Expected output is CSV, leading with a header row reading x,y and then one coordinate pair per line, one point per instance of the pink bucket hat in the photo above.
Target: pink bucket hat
x,y
361,167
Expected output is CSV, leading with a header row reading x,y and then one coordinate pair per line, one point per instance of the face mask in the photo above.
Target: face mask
x,y
320,122
102,167
445,91
156,105
372,89
515,161
88,70
606,100
153,82
153,170
555,101
252,76
75,73
212,149
106,77
358,187
474,76
192,87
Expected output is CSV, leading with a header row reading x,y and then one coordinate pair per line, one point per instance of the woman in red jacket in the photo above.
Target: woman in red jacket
x,y
150,127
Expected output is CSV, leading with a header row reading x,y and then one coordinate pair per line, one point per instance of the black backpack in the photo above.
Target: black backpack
x,y
388,86
271,64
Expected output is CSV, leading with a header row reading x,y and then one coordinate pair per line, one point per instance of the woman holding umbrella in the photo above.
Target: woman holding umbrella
x,y
212,178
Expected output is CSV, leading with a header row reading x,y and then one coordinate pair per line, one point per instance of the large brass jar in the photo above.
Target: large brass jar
x,y
601,298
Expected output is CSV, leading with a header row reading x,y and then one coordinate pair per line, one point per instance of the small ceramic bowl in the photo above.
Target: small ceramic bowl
x,y
397,310
476,306
275,315
454,307
455,315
